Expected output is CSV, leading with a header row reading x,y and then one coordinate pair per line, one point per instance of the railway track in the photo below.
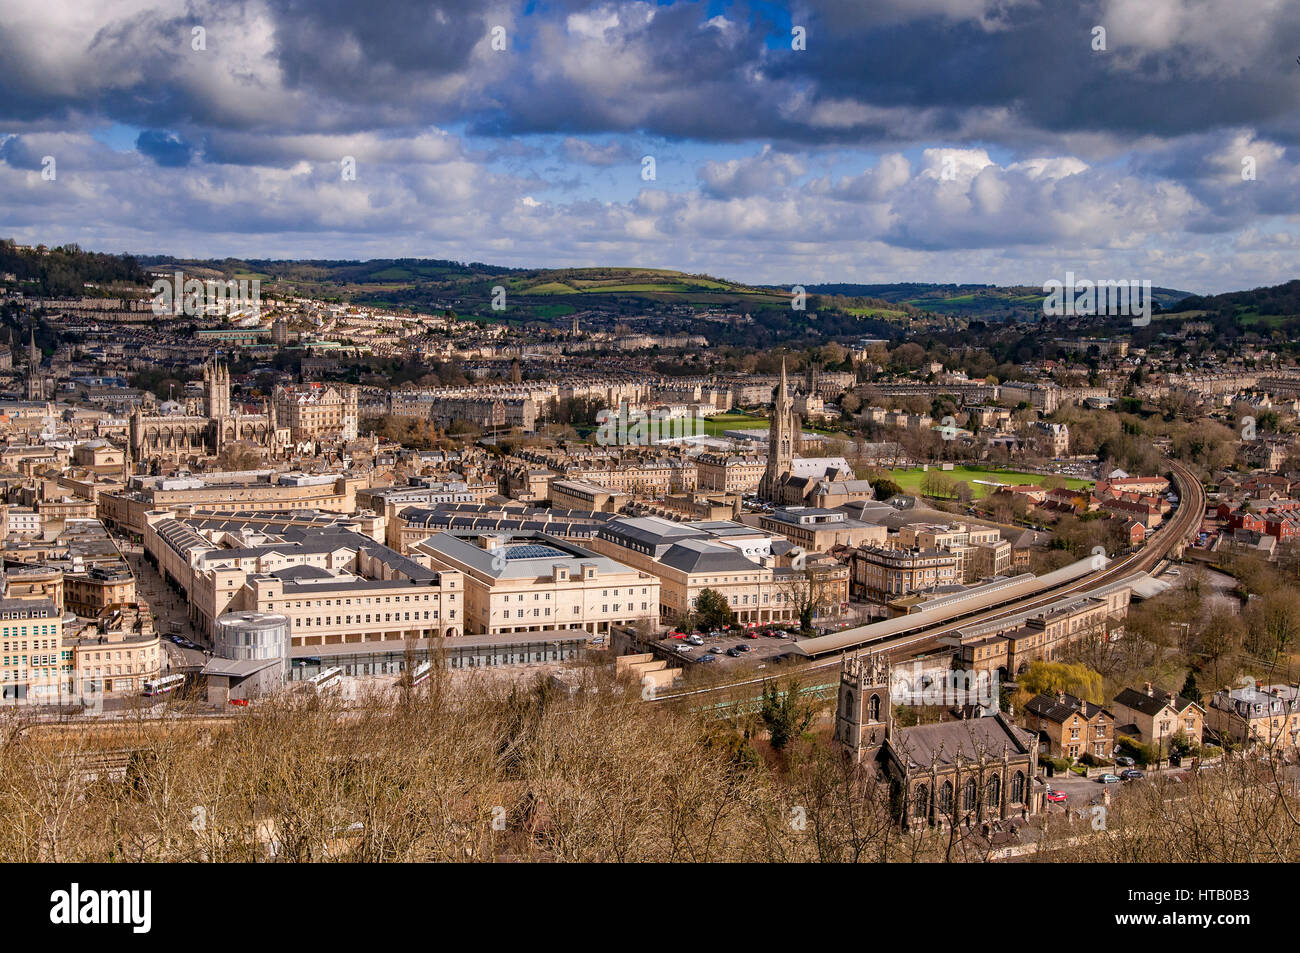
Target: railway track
x,y
1191,509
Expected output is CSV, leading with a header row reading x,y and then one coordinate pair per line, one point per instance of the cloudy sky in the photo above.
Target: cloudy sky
x,y
908,140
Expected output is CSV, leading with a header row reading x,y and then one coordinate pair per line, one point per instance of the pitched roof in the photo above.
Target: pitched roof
x,y
1154,703
1057,708
946,741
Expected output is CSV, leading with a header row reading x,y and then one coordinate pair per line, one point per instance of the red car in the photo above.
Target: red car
x,y
1057,797
751,635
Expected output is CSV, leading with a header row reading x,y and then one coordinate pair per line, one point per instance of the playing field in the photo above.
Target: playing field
x,y
910,479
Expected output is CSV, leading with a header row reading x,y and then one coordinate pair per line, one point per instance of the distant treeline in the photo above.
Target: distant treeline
x,y
1275,300
64,271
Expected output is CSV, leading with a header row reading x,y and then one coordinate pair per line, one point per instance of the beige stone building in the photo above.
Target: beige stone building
x,y
1267,715
584,495
535,582
32,657
335,585
315,410
732,560
1153,716
729,473
1073,727
247,493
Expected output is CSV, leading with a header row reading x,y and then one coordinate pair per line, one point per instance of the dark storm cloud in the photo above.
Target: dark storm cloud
x,y
960,70
351,50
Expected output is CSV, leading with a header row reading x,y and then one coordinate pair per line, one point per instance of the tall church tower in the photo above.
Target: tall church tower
x,y
35,380
864,715
216,389
780,440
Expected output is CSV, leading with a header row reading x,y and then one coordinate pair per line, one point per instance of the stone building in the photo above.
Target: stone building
x,y
964,771
178,435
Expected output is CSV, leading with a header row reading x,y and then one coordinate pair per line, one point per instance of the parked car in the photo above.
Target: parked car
x,y
695,640
743,648
1132,774
751,634
1124,761
734,651
683,650
1057,797
708,657
781,634
1108,778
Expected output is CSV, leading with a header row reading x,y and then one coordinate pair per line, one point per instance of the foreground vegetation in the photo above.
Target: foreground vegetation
x,y
478,770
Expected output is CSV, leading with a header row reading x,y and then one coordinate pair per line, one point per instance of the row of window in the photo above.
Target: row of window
x,y
17,632
388,617
969,795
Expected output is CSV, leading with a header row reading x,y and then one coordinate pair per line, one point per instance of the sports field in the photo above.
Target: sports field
x,y
910,479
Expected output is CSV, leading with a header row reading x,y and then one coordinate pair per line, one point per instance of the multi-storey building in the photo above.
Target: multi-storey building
x,y
1073,727
1267,715
532,582
729,473
731,559
314,411
335,585
817,530
881,573
31,649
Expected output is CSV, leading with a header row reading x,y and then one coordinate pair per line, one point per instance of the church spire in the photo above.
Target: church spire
x,y
780,440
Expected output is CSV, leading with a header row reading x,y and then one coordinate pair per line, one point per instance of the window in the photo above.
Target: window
x,y
969,794
1018,787
993,792
945,798
920,801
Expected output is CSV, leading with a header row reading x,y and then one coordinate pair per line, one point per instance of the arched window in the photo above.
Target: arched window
x,y
994,790
920,801
848,703
969,793
873,708
945,798
1018,787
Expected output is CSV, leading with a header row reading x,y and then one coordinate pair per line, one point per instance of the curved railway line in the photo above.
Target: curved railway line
x,y
1184,522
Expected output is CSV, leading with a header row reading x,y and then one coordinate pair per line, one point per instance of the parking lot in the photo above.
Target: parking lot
x,y
735,648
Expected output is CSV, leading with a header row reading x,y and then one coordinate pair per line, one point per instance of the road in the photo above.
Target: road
x,y
170,609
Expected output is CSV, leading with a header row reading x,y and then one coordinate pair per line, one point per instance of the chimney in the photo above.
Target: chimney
x,y
1060,698
1150,691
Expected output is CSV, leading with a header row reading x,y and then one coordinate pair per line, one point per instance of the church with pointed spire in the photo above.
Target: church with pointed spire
x,y
35,377
790,479
781,437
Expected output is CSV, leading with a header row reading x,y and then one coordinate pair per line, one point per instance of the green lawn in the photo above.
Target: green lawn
x,y
714,426
910,479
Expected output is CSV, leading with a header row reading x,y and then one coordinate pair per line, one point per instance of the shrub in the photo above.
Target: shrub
x,y
1142,754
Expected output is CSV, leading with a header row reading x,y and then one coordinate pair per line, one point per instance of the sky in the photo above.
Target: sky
x,y
988,141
